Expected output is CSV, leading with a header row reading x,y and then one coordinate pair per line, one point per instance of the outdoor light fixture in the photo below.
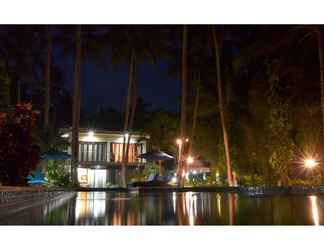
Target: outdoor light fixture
x,y
187,139
174,179
189,160
179,141
65,135
90,133
310,163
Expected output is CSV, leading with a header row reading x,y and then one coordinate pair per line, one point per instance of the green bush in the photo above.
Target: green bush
x,y
252,180
57,174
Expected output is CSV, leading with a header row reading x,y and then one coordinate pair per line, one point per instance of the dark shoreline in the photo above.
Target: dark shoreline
x,y
239,190
18,191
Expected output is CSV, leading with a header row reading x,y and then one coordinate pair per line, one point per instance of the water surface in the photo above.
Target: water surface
x,y
174,208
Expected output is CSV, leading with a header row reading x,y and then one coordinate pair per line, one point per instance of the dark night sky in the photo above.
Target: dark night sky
x,y
107,87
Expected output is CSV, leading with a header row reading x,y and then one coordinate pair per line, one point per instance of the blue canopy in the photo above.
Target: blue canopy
x,y
156,156
55,155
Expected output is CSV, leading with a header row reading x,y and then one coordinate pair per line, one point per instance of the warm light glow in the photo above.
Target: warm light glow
x,y
190,160
90,137
65,135
310,163
219,208
314,210
174,199
84,178
187,139
179,141
191,207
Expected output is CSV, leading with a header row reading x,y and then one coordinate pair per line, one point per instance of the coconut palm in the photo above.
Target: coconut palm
x,y
195,114
76,104
221,109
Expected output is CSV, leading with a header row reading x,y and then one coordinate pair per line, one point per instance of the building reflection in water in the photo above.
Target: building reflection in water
x,y
90,205
106,209
174,201
219,207
314,206
183,208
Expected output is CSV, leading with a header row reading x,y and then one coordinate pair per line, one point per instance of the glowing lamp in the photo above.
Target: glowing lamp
x,y
310,163
90,133
189,160
179,141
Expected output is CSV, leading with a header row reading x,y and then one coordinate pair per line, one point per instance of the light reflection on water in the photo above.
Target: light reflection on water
x,y
176,208
315,209
90,204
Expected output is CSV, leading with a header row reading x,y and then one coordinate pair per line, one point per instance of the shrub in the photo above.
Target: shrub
x,y
18,152
57,174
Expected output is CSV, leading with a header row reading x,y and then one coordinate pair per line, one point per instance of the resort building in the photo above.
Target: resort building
x,y
100,155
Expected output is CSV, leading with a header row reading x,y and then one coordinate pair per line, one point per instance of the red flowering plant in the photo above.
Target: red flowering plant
x,y
18,152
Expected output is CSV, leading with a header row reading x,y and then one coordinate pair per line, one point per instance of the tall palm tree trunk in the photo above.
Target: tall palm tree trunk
x,y
195,113
47,78
76,105
221,110
126,119
320,35
183,102
132,112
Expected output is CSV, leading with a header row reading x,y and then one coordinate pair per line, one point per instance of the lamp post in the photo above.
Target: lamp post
x,y
189,160
310,163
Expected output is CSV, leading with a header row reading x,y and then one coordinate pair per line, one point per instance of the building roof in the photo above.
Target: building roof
x,y
103,131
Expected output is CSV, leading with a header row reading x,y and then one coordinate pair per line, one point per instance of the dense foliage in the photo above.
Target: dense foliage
x,y
18,152
57,174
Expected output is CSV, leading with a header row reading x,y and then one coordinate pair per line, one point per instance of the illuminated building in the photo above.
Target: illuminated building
x,y
100,155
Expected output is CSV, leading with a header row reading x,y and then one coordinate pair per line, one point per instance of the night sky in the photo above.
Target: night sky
x,y
107,87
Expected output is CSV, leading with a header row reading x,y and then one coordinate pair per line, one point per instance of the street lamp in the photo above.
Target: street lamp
x,y
310,163
189,160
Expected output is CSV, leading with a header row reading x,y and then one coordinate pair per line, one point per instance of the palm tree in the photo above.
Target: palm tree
x,y
47,77
183,103
221,109
195,114
132,111
127,115
76,105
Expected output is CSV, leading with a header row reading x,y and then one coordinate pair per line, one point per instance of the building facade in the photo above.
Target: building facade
x,y
100,156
